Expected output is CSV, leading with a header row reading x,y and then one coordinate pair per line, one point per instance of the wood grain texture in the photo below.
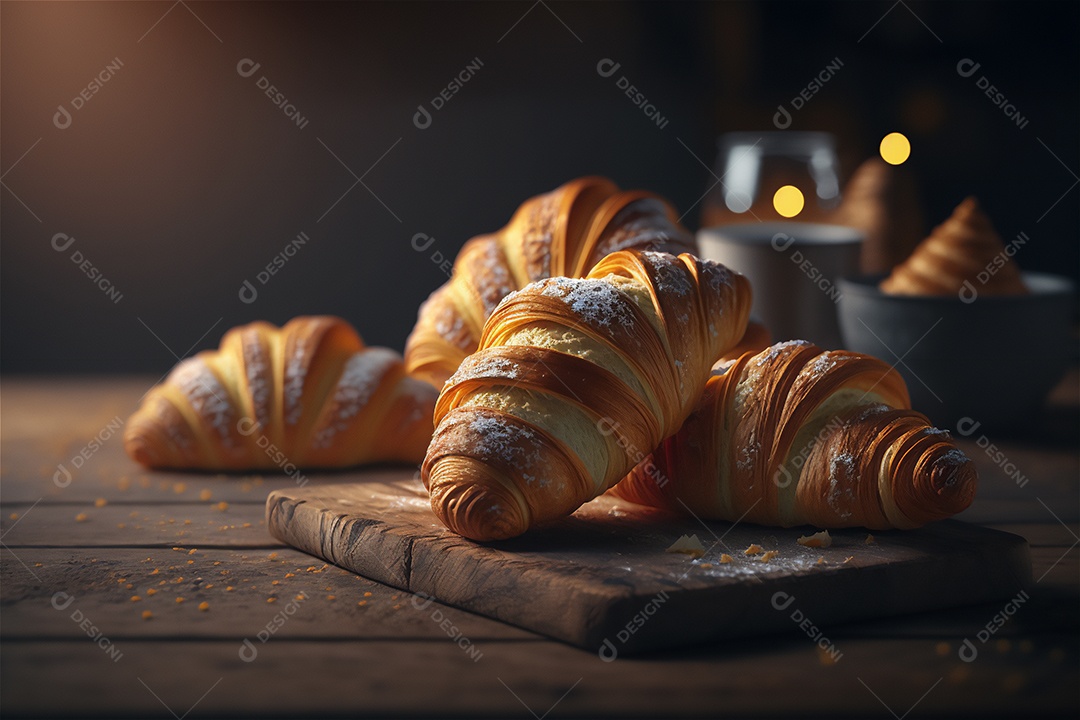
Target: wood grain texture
x,y
602,577
750,678
237,585
337,659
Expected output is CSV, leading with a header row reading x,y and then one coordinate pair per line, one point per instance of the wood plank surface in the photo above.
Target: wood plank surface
x,y
396,656
603,577
752,678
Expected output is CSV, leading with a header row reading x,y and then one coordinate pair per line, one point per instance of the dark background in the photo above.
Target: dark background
x,y
180,179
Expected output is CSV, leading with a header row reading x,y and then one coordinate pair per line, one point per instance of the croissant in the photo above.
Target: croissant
x,y
797,436
962,253
561,233
306,395
754,340
881,201
575,381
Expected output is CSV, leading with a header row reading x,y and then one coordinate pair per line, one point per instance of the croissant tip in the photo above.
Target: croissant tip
x,y
477,510
139,448
952,482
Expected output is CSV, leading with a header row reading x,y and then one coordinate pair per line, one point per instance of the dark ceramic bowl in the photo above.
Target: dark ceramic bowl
x,y
992,360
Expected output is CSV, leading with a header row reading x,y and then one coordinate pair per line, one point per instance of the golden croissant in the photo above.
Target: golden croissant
x,y
961,255
797,436
882,202
561,233
575,381
309,394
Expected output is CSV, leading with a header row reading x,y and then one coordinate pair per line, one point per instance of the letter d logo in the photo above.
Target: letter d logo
x,y
62,477
62,600
422,118
606,68
421,600
608,652
248,293
58,242
781,241
782,477
247,67
968,652
965,426
967,67
62,118
782,118
248,652
782,600
419,244
968,293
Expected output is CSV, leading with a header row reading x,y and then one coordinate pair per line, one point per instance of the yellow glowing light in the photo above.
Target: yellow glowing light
x,y
788,201
895,148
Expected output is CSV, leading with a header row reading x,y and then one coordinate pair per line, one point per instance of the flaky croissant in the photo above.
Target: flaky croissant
x,y
574,382
961,255
561,233
797,436
306,395
882,202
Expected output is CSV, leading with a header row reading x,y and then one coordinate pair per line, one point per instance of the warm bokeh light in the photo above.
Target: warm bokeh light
x,y
788,201
895,148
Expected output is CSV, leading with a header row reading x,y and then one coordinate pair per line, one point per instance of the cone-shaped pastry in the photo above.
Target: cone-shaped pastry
x,y
962,251
561,233
797,436
305,395
881,201
575,381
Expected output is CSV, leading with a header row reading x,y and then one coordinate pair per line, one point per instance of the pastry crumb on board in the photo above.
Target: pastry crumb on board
x,y
688,545
817,540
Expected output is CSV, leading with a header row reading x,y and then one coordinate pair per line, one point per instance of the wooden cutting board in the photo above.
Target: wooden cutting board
x,y
602,579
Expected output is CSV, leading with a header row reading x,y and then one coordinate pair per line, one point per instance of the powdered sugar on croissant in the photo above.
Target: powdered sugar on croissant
x,y
561,233
309,394
574,382
794,435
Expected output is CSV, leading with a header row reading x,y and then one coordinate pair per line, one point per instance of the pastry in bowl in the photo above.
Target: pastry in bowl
x,y
881,201
977,340
962,256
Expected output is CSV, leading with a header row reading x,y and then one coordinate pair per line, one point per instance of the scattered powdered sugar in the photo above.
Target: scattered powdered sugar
x,y
510,296
671,274
747,455
258,372
954,456
295,374
720,277
642,224
596,302
448,323
773,352
485,367
494,287
823,363
358,382
537,236
870,411
937,432
845,463
504,441
165,409
206,395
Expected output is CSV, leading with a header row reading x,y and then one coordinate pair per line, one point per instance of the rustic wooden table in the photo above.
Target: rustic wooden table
x,y
126,593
